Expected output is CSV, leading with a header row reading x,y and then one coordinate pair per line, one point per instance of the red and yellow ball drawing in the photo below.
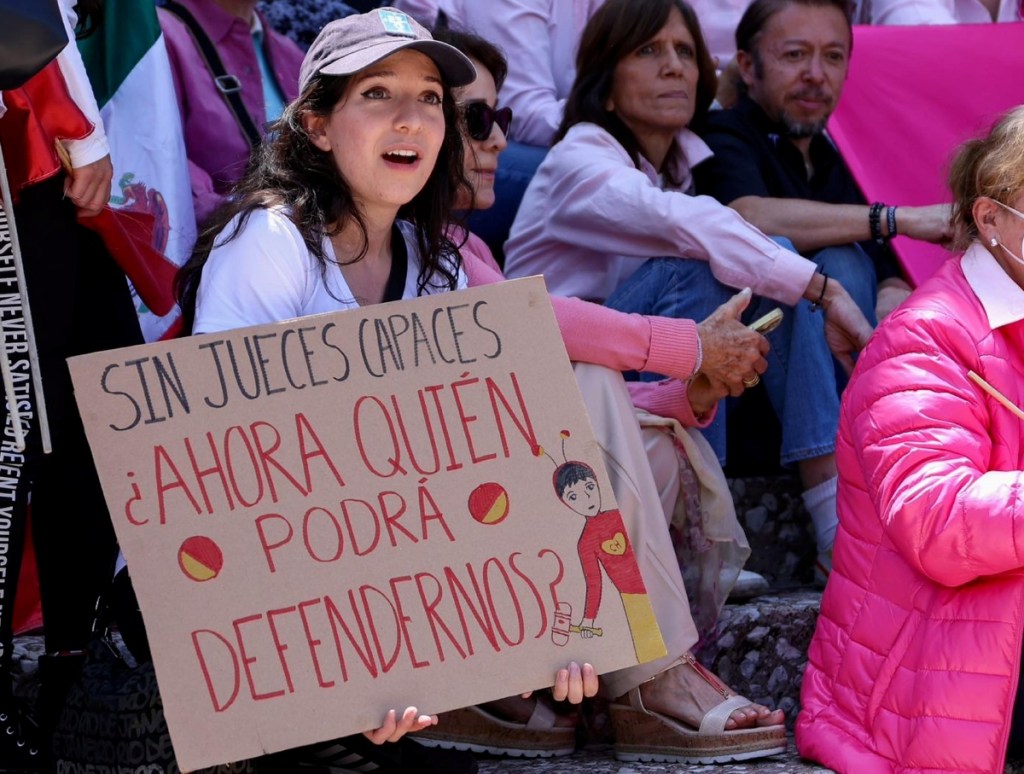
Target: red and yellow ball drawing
x,y
488,503
200,558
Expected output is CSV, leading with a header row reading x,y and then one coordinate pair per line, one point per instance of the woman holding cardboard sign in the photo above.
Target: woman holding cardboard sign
x,y
364,142
314,226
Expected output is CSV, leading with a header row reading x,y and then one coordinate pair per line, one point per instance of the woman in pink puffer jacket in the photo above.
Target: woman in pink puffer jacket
x,y
916,659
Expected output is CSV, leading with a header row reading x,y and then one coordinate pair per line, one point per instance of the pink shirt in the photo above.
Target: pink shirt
x,y
616,340
216,148
539,38
423,11
718,20
935,12
590,219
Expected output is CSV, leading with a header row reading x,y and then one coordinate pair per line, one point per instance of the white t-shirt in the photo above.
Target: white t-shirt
x,y
266,274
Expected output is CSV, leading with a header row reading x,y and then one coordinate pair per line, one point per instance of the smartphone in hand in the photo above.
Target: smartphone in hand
x,y
768,323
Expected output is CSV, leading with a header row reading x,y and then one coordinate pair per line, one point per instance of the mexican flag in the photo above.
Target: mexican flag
x,y
131,78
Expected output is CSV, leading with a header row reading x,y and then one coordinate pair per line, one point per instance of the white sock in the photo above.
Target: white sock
x,y
820,501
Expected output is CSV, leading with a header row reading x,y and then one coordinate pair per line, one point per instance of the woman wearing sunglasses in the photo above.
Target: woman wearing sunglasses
x,y
604,342
481,119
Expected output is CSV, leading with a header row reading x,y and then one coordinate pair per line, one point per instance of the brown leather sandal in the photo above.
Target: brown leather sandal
x,y
644,735
477,730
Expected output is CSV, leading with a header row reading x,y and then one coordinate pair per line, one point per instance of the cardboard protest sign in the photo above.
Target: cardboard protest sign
x,y
341,514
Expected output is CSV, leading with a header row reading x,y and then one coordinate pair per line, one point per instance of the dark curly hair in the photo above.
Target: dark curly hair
x,y
480,49
289,170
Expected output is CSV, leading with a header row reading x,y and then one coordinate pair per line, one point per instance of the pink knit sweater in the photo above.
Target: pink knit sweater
x,y
623,342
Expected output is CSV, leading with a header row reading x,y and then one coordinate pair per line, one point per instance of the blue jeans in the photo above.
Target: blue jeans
x,y
803,380
515,171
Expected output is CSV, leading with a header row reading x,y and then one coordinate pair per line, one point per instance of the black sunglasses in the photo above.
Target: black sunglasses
x,y
481,118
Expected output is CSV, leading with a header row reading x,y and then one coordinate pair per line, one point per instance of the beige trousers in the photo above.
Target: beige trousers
x,y
632,458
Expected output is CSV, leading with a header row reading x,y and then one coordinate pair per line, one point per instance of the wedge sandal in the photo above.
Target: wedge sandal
x,y
644,735
477,730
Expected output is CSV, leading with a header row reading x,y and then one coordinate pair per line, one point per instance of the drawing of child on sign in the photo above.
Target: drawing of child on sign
x,y
604,543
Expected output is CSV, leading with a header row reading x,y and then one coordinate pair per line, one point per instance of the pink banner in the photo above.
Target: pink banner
x,y
913,95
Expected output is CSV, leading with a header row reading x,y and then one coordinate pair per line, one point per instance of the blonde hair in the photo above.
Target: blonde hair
x,y
991,166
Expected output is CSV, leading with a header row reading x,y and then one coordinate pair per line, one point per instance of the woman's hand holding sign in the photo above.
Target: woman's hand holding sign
x,y
573,684
394,728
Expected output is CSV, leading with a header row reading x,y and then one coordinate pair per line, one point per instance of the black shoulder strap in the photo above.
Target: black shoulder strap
x,y
394,289
228,85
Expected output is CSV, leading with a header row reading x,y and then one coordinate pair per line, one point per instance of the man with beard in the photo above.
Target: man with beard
x,y
774,164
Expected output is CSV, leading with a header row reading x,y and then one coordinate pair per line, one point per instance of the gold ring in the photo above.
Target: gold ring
x,y
752,382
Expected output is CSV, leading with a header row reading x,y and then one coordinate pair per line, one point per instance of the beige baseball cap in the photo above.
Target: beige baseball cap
x,y
346,46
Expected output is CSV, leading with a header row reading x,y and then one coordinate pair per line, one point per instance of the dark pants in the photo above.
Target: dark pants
x,y
1015,747
803,381
80,303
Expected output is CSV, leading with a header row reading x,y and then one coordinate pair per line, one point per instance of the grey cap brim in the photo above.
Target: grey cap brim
x,y
454,66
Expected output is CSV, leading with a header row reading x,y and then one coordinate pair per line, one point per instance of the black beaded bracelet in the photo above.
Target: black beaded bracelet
x,y
820,303
890,217
875,222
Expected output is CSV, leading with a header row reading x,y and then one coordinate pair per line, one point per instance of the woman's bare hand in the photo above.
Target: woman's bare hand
x,y
88,187
704,394
573,684
394,728
732,352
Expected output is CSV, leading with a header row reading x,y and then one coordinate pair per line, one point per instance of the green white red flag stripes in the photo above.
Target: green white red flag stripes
x,y
131,78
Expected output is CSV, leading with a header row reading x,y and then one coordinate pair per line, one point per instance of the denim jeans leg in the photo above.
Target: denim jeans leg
x,y
814,381
855,271
518,164
678,288
801,380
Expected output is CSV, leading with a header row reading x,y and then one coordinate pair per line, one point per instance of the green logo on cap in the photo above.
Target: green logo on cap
x,y
396,23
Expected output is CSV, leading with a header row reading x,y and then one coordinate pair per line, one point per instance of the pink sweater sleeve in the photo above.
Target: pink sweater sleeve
x,y
597,334
668,398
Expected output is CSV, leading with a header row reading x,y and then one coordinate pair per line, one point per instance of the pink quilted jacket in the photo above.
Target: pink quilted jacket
x,y
915,660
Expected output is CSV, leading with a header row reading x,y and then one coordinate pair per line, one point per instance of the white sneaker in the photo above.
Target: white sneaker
x,y
748,584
